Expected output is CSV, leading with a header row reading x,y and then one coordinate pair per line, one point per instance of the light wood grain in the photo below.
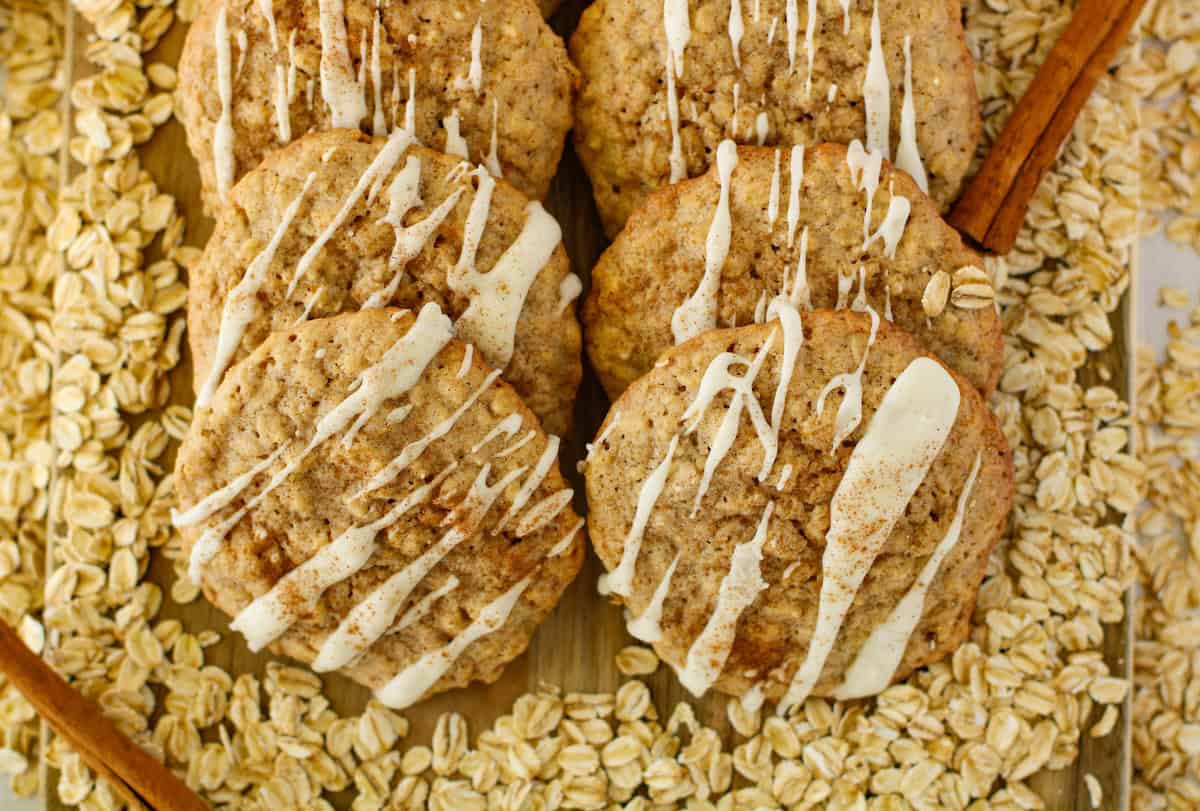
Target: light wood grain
x,y
575,647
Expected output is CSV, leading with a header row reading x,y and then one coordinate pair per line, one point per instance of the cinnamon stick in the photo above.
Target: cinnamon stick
x,y
1041,121
133,773
1007,222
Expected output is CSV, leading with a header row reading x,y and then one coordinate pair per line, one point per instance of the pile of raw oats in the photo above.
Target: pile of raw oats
x,y
91,327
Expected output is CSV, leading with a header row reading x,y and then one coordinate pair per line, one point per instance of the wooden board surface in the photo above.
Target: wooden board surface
x,y
574,649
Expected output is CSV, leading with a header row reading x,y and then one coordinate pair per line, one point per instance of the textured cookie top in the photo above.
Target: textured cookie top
x,y
799,507
367,495
770,72
338,221
801,222
487,81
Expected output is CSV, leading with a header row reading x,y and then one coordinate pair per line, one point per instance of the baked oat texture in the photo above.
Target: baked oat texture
x,y
545,367
276,396
527,81
623,133
773,633
657,261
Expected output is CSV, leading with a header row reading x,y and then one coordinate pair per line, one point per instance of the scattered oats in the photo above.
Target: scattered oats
x,y
636,660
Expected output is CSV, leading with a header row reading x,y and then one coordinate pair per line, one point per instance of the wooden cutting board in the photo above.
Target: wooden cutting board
x,y
575,648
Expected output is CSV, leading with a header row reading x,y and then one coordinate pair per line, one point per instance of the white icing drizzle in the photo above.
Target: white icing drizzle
x,y
699,312
407,686
269,616
733,121
363,626
291,71
218,500
771,30
283,122
760,308
877,94
399,413
516,446
717,378
795,180
390,377
800,295
410,104
762,127
224,162
613,420
410,240
423,606
887,298
620,580
785,476
568,290
908,153
849,413
736,30
507,428
379,121
790,570
498,296
241,305
757,10
678,31
875,665
792,18
845,286
473,228
380,167
413,450
832,94
793,340
865,166
339,87
773,195
243,49
560,548
886,467
309,92
648,625
809,47
845,16
541,514
531,483
475,71
492,161
739,588
455,144
891,230
309,304
468,356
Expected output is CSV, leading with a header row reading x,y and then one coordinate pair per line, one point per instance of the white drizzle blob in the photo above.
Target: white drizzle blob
x,y
560,548
737,30
456,144
620,580
340,88
423,606
739,589
865,166
792,20
498,296
531,483
648,625
699,312
224,162
889,463
468,356
379,120
773,194
282,96
678,31
877,94
397,143
762,127
516,446
492,161
795,181
410,105
506,428
799,296
241,305
908,154
390,377
407,686
891,230
809,47
475,71
541,514
849,413
568,291
368,621
875,665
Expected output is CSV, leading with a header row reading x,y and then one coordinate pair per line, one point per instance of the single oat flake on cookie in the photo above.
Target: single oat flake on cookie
x,y
366,495
798,508
489,82
665,82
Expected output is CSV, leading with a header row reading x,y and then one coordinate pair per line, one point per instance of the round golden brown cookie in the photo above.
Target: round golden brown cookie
x,y
658,261
366,495
742,72
761,534
488,81
358,222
